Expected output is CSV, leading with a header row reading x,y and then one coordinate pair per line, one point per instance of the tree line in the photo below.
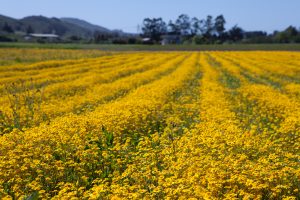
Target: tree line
x,y
183,30
210,31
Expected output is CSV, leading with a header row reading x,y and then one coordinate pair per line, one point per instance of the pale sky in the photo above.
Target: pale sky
x,y
267,15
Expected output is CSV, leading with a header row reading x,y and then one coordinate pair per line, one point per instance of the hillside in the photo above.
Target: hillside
x,y
84,24
93,27
14,23
42,24
64,27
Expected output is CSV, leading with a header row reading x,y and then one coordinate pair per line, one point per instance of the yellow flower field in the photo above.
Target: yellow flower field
x,y
80,124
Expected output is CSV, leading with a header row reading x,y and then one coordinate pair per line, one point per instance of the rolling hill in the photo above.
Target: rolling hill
x,y
84,24
64,27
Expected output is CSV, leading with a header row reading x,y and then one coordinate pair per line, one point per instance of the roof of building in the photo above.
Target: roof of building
x,y
43,35
146,39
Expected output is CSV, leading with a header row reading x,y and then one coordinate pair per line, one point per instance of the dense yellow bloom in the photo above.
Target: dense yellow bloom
x,y
160,125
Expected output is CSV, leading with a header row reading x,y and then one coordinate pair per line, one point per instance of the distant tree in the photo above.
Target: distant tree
x,y
291,31
119,41
208,26
236,33
184,24
256,37
18,27
100,37
292,34
29,30
202,27
281,37
195,26
75,38
254,34
7,28
200,39
288,35
173,29
5,39
212,31
219,25
154,28
132,40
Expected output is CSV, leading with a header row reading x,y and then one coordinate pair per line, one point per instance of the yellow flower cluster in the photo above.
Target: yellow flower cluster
x,y
22,56
159,125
